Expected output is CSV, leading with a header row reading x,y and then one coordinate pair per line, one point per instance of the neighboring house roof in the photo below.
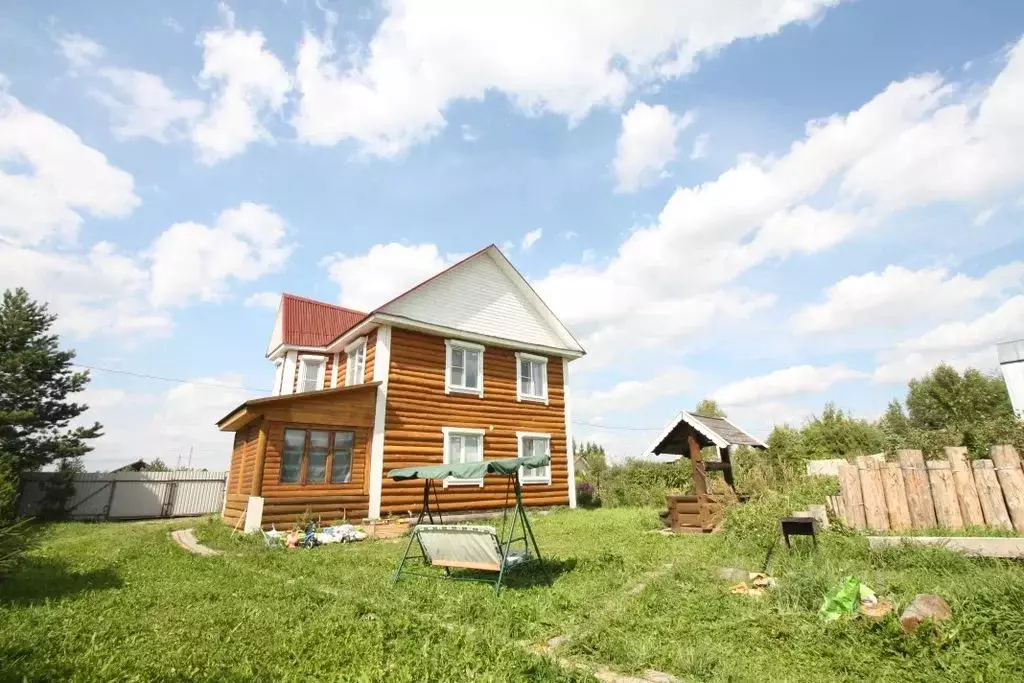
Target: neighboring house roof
x,y
307,322
710,431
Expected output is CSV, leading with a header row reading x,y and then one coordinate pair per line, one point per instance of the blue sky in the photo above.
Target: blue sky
x,y
772,203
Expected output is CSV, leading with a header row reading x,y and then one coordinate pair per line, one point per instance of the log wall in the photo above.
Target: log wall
x,y
417,409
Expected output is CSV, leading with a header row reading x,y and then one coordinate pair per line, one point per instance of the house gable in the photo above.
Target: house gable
x,y
277,336
484,295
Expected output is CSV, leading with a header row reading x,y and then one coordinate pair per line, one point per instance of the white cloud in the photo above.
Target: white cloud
x,y
700,147
142,106
173,24
101,292
81,52
384,272
530,238
194,260
176,421
264,300
62,178
248,82
560,57
898,296
634,394
763,208
793,381
468,134
647,143
984,216
905,366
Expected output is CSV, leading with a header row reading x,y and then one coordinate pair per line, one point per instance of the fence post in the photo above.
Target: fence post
x,y
919,495
1011,479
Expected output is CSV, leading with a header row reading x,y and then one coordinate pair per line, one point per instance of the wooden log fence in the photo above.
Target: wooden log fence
x,y
911,493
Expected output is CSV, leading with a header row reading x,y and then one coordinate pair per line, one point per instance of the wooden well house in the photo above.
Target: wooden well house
x,y
687,436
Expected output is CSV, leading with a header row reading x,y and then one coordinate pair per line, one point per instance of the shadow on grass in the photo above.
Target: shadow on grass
x,y
37,580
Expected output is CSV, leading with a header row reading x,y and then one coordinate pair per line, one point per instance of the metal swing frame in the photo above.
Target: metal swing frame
x,y
507,537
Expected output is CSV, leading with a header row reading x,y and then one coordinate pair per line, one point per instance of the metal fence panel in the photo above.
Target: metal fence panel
x,y
132,495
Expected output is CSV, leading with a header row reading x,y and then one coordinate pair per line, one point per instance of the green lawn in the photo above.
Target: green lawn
x,y
120,601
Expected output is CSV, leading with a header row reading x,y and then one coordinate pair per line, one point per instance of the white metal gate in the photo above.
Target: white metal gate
x,y
132,495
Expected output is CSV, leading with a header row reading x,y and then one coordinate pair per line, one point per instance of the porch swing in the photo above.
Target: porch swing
x,y
471,546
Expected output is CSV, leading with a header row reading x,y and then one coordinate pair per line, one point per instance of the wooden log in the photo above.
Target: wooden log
x,y
991,495
919,493
853,500
1011,479
966,490
875,514
895,497
947,509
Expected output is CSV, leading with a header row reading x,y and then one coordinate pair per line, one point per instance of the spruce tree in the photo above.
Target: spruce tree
x,y
36,378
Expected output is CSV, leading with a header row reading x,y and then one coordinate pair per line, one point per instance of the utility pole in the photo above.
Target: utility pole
x,y
190,448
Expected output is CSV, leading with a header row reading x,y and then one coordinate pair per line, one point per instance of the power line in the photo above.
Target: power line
x,y
176,380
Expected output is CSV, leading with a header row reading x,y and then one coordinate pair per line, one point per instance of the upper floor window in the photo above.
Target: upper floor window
x,y
310,455
464,369
311,372
355,362
532,372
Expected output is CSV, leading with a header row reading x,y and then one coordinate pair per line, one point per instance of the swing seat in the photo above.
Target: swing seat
x,y
459,546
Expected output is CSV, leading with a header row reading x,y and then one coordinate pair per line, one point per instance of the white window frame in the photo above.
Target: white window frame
x,y
278,376
450,388
520,396
304,363
354,348
462,431
546,479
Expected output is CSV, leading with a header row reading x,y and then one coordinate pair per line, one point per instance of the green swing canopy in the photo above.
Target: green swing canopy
x,y
470,470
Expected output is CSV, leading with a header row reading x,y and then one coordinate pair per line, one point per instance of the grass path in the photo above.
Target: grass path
x,y
121,602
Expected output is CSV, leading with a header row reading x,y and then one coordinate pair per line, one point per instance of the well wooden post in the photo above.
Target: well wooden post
x,y
895,497
919,494
990,495
1011,479
875,514
966,491
853,500
700,479
947,509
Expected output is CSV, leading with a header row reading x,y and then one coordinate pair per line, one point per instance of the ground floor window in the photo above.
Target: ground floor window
x,y
531,444
310,455
463,445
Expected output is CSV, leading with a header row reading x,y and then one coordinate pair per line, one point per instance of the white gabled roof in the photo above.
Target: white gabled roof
x,y
484,295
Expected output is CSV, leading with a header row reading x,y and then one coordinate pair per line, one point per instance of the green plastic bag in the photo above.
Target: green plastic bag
x,y
845,598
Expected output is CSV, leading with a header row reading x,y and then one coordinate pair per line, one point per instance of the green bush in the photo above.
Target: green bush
x,y
15,534
757,521
639,483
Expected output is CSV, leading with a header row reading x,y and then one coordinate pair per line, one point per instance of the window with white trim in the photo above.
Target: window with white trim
x,y
531,444
461,445
532,374
464,368
355,362
278,376
311,372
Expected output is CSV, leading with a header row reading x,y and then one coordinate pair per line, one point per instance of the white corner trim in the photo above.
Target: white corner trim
x,y
278,376
334,370
570,455
291,366
520,396
450,388
519,449
381,371
445,432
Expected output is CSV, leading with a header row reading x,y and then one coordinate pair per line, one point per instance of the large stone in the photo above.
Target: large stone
x,y
924,606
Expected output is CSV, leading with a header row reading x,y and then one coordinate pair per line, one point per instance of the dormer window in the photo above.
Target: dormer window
x,y
355,362
464,369
311,372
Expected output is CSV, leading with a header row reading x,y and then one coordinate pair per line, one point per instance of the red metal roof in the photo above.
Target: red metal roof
x,y
307,322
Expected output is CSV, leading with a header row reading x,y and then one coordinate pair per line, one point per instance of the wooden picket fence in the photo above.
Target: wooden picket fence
x,y
911,493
